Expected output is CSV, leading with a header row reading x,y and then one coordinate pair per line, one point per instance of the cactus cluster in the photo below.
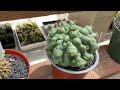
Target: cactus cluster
x,y
29,33
70,44
5,69
5,66
6,34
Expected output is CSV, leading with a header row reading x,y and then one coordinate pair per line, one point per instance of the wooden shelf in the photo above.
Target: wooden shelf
x,y
106,68
13,15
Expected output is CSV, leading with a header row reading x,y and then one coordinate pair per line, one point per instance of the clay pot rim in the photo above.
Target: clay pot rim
x,y
79,72
14,52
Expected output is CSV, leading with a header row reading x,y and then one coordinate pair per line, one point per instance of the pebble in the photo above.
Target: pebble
x,y
20,68
90,64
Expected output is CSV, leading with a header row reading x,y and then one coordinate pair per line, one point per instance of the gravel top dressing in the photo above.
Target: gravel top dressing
x,y
20,68
90,64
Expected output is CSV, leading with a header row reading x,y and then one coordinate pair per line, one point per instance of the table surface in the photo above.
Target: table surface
x,y
105,68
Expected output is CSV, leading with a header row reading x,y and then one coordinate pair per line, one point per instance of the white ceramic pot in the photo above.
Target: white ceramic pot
x,y
79,72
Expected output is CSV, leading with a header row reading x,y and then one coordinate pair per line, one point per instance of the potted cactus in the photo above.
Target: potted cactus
x,y
72,49
13,64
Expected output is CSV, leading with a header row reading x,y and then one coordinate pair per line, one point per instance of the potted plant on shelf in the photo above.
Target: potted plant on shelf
x,y
72,49
13,64
6,35
29,34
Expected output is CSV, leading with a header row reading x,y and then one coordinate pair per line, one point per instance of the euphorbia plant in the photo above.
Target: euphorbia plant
x,y
71,45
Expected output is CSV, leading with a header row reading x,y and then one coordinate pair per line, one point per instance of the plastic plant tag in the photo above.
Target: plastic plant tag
x,y
2,52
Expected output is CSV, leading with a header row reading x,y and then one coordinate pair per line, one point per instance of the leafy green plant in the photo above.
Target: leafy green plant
x,y
70,44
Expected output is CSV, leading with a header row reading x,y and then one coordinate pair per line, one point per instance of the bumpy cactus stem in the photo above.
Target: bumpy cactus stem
x,y
71,45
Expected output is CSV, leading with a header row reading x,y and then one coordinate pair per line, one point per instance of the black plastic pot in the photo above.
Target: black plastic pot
x,y
7,39
114,45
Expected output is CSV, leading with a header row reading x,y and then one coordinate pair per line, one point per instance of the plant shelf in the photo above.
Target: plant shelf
x,y
105,68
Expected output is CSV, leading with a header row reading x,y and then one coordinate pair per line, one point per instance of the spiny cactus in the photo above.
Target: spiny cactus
x,y
5,67
70,44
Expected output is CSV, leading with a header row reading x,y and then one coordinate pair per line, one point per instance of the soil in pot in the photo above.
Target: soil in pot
x,y
88,65
18,66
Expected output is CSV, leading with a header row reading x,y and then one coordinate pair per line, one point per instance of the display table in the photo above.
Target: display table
x,y
105,69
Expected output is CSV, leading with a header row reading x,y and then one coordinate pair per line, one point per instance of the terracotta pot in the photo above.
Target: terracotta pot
x,y
19,55
60,73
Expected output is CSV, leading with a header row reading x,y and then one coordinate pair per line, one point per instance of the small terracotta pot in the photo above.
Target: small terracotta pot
x,y
19,55
60,73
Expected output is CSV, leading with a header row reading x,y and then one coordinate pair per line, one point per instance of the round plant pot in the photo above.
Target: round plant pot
x,y
114,45
19,55
61,73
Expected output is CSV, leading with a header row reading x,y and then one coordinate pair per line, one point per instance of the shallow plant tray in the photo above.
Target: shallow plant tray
x,y
30,46
46,26
7,44
49,20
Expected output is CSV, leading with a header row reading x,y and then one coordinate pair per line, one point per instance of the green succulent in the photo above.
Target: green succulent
x,y
29,33
2,32
71,45
2,38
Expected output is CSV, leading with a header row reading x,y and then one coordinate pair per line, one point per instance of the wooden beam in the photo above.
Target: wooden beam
x,y
12,15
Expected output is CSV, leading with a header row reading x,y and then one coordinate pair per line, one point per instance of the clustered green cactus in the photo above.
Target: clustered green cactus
x,y
70,44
